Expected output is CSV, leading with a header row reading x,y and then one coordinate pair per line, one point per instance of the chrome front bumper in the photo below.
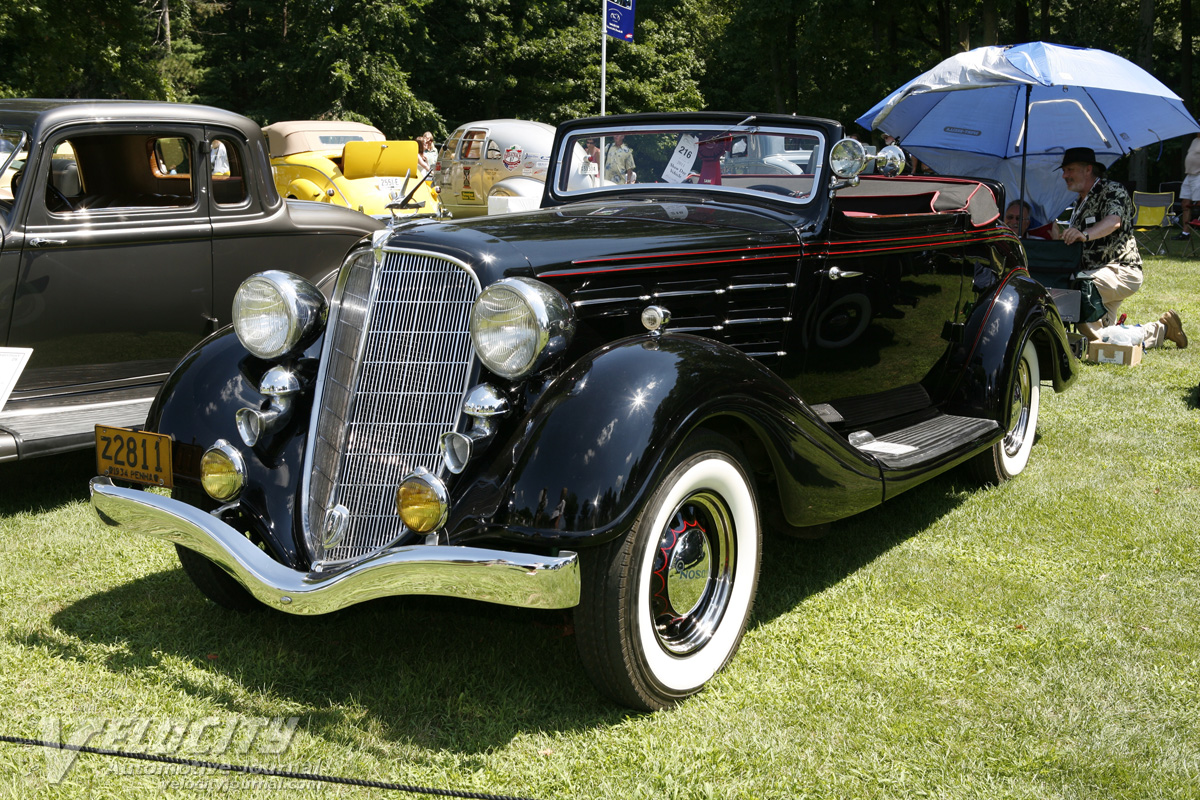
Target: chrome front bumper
x,y
494,576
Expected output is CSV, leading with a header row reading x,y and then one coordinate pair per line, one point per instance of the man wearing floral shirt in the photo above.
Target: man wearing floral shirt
x,y
1102,222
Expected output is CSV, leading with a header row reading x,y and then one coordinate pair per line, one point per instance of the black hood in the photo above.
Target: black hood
x,y
554,240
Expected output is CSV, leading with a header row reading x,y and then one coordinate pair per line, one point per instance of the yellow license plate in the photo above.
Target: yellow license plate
x,y
137,456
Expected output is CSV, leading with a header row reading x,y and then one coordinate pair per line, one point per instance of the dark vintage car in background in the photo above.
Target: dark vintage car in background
x,y
126,227
604,404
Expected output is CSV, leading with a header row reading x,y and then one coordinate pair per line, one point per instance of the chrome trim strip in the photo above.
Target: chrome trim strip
x,y
757,320
609,300
742,287
688,293
494,576
313,529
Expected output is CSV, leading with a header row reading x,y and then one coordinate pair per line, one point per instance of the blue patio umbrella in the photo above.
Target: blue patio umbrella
x,y
1010,112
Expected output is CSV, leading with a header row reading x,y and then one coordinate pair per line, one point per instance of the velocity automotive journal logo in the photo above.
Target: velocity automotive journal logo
x,y
204,738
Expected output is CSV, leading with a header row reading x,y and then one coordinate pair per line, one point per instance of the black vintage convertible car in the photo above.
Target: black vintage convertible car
x,y
604,404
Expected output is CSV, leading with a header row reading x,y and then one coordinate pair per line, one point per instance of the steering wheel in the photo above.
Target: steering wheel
x,y
772,189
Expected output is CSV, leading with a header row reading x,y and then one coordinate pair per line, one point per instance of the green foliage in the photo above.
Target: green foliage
x,y
62,48
416,65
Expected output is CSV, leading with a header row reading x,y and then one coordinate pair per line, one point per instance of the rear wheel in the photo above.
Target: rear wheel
x,y
664,608
213,582
1008,457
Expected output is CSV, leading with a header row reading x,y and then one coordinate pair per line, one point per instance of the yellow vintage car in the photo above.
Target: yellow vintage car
x,y
350,164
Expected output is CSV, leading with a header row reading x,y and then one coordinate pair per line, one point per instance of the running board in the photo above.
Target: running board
x,y
45,430
926,442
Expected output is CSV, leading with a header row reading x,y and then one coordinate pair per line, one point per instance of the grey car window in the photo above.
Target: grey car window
x,y
228,172
93,173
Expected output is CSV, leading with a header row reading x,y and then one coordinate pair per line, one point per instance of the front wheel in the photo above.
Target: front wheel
x,y
213,582
664,608
1008,457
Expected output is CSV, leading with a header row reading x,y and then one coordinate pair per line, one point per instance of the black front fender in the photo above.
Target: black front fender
x,y
196,406
603,433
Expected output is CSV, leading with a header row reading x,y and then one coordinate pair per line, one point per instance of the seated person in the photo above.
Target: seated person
x,y
1019,217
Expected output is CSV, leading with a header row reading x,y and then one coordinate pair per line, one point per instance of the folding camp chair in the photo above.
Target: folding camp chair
x,y
1152,223
1191,247
1056,266
1175,187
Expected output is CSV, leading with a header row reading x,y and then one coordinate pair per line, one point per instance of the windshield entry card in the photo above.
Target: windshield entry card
x,y
680,165
12,364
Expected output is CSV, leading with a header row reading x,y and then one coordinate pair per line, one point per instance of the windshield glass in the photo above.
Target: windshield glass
x,y
784,163
14,151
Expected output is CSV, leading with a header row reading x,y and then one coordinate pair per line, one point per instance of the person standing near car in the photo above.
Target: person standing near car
x,y
619,163
1189,192
427,154
1110,253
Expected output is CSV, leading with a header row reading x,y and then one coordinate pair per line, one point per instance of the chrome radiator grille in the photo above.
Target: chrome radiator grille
x,y
395,368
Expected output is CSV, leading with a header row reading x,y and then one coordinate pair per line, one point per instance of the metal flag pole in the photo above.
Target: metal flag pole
x,y
603,56
1024,155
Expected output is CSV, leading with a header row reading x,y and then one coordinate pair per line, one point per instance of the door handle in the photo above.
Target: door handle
x,y
837,274
38,241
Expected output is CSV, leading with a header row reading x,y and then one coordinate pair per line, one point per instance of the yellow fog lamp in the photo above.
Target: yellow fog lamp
x,y
422,501
222,471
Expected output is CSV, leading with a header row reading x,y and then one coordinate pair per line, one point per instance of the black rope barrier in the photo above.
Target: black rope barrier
x,y
259,771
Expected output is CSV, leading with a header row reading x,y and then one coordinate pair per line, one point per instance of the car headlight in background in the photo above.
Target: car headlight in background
x,y
519,323
273,311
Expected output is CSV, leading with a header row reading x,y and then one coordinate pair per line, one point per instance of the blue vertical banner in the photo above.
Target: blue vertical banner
x,y
618,19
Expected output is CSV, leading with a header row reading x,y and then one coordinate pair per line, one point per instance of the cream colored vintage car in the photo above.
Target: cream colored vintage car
x,y
493,166
350,164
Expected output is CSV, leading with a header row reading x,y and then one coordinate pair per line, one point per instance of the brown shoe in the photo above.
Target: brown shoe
x,y
1174,326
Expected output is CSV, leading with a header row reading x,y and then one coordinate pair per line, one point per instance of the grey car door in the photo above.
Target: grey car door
x,y
114,281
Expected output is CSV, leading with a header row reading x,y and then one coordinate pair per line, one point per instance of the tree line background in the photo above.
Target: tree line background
x,y
407,66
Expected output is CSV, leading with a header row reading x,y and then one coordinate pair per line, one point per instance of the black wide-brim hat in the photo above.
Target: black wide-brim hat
x,y
1081,155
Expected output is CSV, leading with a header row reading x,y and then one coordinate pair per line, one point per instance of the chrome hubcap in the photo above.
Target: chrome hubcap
x,y
692,574
1021,400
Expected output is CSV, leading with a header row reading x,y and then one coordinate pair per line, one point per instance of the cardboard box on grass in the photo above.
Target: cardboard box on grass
x,y
1128,355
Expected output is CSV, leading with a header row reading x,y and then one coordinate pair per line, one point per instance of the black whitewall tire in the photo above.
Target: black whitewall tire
x,y
664,608
1009,457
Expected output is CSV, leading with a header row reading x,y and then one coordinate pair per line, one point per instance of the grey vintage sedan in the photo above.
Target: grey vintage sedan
x,y
125,229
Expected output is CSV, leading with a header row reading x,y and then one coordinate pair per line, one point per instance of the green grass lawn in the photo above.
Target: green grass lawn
x,y
1036,640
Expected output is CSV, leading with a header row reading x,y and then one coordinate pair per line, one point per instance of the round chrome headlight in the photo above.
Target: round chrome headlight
x,y
519,323
274,310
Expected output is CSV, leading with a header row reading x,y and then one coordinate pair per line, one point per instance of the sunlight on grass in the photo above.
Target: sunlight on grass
x,y
1034,640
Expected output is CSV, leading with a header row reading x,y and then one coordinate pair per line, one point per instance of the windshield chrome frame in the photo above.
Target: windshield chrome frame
x,y
571,142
